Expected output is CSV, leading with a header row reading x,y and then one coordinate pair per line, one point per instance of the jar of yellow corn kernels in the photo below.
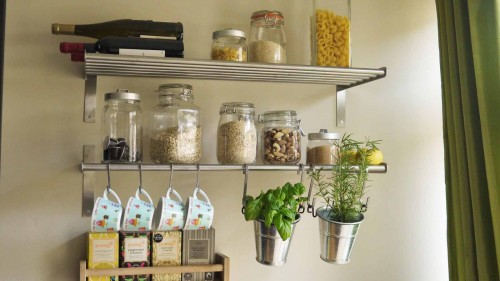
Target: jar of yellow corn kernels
x,y
229,45
331,33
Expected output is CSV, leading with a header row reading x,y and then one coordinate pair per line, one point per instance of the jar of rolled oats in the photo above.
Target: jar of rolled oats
x,y
175,129
237,134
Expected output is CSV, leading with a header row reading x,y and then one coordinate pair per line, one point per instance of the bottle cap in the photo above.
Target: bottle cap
x,y
267,15
323,135
229,32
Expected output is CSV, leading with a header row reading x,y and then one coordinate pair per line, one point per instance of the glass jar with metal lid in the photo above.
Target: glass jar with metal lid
x,y
281,134
236,134
321,148
175,129
229,45
267,41
122,127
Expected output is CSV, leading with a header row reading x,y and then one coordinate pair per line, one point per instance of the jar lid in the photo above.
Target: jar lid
x,y
229,32
233,107
122,94
183,90
267,14
278,115
323,135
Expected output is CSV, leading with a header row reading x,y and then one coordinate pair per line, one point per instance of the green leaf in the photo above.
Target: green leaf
x,y
287,213
253,208
269,217
283,226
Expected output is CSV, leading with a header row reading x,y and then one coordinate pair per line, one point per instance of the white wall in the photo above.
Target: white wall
x,y
404,234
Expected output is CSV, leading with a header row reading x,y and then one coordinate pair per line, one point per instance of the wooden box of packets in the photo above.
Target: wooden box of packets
x,y
197,249
135,251
102,253
167,246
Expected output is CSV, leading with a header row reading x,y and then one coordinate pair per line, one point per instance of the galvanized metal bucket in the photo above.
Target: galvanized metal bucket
x,y
336,238
271,249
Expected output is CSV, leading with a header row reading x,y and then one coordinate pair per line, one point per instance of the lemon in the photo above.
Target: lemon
x,y
375,157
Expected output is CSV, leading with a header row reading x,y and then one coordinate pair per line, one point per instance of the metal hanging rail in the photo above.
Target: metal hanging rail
x,y
92,167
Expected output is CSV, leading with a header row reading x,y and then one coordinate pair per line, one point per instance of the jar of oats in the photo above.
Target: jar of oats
x,y
175,128
281,137
236,134
229,45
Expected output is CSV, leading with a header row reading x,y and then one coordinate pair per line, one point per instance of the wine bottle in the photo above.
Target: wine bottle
x,y
116,45
123,27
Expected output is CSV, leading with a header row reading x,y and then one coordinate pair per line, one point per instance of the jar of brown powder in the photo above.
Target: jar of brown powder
x,y
321,148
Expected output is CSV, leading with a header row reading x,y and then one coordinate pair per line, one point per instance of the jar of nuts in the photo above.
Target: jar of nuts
x,y
281,134
236,134
175,128
229,45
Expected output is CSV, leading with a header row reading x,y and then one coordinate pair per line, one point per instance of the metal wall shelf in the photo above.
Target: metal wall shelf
x,y
89,167
119,65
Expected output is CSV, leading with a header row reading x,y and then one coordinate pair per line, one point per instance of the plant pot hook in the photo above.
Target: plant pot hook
x,y
310,206
245,185
301,171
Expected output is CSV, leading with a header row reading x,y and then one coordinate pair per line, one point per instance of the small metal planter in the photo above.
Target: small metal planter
x,y
271,249
336,238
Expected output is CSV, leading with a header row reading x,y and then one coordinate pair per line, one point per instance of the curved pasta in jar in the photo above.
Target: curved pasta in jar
x,y
332,39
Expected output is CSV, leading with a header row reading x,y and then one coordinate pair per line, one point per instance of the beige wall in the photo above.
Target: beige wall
x,y
404,235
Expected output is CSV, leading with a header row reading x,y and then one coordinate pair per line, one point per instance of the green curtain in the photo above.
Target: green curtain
x,y
469,36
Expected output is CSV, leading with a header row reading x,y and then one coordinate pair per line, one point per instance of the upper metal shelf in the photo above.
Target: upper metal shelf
x,y
117,65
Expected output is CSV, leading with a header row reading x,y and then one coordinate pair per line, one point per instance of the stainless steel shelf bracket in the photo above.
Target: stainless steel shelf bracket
x,y
88,182
90,99
341,114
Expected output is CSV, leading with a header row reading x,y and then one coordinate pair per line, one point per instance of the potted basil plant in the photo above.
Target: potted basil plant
x,y
275,214
342,192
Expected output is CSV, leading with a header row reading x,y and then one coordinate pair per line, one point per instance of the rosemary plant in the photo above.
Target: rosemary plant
x,y
343,190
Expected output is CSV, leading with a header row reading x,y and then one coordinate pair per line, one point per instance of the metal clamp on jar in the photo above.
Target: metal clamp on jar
x,y
175,135
321,148
281,134
122,127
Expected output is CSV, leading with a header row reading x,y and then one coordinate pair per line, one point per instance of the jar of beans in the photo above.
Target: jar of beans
x,y
281,137
229,45
236,134
175,127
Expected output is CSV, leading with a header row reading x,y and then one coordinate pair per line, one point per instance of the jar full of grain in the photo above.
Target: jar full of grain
x,y
236,134
281,137
122,127
267,41
322,148
175,129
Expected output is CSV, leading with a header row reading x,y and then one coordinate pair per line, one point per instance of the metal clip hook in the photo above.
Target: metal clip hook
x,y
301,171
245,186
197,176
171,175
109,179
310,207
364,206
140,178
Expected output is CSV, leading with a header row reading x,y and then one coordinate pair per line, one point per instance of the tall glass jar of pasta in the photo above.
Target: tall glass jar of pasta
x,y
331,33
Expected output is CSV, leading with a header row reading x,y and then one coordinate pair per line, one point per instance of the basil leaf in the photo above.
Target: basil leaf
x,y
253,208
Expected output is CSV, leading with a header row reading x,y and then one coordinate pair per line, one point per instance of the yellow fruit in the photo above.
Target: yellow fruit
x,y
374,157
